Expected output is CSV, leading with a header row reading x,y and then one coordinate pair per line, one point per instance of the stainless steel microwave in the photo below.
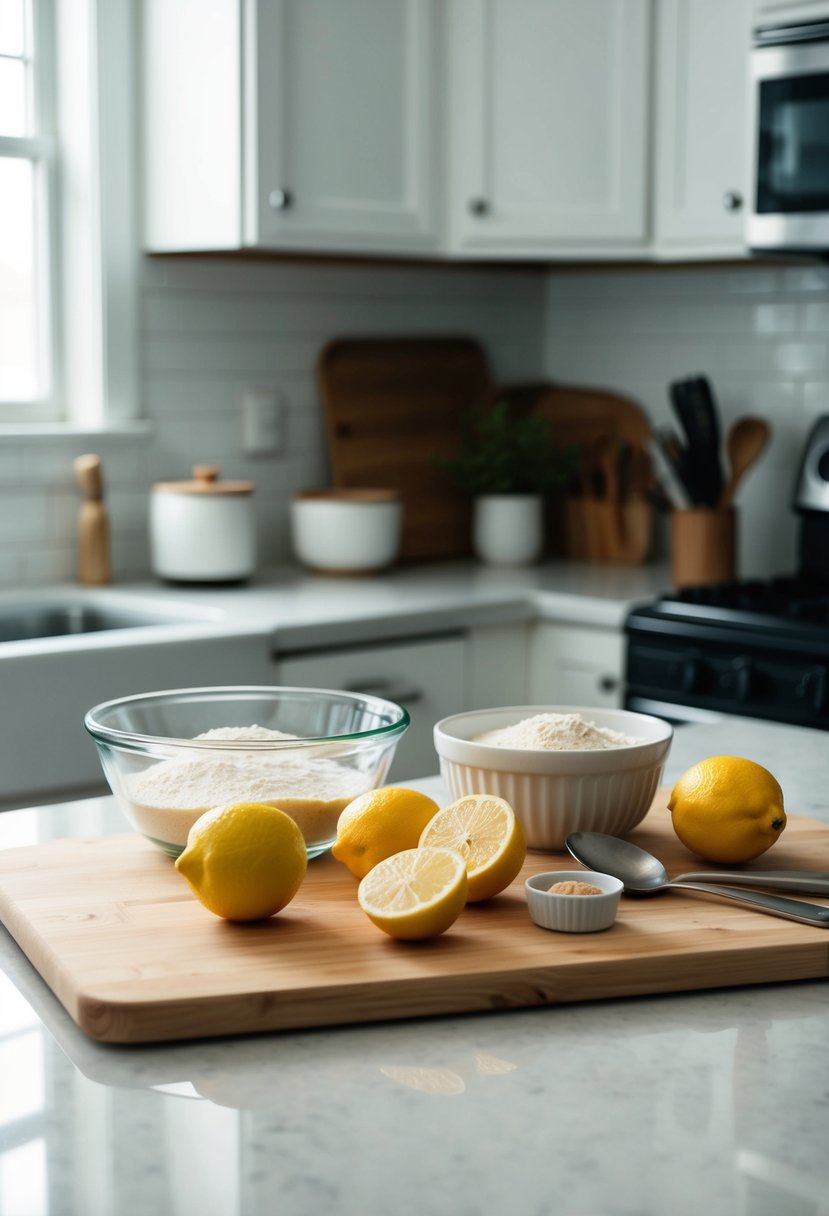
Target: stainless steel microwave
x,y
790,161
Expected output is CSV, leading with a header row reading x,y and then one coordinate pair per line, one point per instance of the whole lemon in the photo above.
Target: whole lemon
x,y
244,861
727,809
379,823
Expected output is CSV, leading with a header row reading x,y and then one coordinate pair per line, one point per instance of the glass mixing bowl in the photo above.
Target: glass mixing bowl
x,y
170,756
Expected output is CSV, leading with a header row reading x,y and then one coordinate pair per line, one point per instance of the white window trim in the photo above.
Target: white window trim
x,y
98,211
40,150
94,220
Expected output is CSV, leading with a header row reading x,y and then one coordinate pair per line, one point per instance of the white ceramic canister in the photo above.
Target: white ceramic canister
x,y
203,531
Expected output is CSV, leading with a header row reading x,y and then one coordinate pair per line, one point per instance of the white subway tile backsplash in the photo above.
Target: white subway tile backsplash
x,y
210,328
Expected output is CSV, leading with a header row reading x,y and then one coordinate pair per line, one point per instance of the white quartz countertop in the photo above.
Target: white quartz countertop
x,y
714,1102
291,609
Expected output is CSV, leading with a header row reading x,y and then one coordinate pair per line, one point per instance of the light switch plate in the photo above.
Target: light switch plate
x,y
263,422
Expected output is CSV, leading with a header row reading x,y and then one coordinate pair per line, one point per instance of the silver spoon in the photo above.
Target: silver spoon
x,y
644,874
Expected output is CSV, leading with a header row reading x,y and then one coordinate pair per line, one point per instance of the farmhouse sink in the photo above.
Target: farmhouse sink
x,y
42,619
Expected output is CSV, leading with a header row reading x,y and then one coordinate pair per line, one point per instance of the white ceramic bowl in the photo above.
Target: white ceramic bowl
x,y
573,913
346,531
554,793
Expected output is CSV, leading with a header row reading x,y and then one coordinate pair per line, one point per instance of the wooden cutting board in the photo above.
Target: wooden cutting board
x,y
391,405
133,957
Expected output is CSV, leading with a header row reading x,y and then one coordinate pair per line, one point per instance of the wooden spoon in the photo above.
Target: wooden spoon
x,y
745,442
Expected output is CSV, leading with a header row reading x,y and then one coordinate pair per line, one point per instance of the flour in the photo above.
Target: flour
x,y
555,733
168,798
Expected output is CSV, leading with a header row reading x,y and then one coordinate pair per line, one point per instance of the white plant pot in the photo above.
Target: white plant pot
x,y
508,529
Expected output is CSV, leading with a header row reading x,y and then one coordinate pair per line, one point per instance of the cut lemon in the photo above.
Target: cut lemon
x,y
484,830
415,894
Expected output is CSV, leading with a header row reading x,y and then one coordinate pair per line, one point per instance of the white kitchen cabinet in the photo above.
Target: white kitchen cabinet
x,y
575,665
701,163
284,124
425,676
549,126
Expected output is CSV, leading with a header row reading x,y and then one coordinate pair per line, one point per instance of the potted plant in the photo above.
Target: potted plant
x,y
507,464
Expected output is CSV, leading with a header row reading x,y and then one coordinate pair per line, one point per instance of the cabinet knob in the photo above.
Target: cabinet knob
x,y
478,206
280,200
732,200
608,683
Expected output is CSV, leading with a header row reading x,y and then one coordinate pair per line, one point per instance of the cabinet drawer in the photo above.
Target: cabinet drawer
x,y
571,665
426,677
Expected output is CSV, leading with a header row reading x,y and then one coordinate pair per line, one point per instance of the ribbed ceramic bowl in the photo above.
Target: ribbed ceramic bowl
x,y
336,746
573,913
554,793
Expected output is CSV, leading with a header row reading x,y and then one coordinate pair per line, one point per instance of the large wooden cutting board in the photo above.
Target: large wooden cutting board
x,y
133,957
392,405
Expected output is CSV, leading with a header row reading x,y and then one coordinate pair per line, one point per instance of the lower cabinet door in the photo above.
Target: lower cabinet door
x,y
425,676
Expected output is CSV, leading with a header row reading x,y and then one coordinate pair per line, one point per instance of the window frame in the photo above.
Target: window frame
x,y
40,150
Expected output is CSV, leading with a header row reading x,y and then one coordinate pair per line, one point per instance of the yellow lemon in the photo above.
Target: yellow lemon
x,y
727,809
415,894
484,830
379,823
245,861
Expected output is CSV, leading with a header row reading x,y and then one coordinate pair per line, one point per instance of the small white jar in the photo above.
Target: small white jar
x,y
203,531
346,531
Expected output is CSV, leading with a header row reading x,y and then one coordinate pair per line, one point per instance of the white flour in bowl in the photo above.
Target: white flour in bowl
x,y
168,798
555,733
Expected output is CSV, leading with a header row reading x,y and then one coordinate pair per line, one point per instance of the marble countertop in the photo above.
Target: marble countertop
x,y
714,1102
290,609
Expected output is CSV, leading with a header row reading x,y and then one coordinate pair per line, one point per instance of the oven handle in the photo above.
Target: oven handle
x,y
785,35
677,715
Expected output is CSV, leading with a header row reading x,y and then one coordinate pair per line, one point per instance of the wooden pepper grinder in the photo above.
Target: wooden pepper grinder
x,y
93,523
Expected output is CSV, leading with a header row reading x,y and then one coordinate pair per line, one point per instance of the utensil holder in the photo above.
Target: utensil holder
x,y
595,530
703,546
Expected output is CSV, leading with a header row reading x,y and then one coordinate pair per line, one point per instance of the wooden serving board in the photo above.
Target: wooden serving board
x,y
133,957
391,405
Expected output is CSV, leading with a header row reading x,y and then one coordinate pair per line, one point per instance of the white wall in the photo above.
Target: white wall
x,y
208,328
759,332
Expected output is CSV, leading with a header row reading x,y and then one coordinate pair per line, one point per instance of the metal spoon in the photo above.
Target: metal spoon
x,y
746,440
644,874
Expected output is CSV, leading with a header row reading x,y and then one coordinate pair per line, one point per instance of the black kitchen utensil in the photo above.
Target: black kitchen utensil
x,y
700,465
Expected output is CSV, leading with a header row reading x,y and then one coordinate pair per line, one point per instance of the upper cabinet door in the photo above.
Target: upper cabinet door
x,y
702,56
549,101
340,148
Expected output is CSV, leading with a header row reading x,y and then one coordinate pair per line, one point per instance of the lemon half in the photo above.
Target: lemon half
x,y
484,830
415,894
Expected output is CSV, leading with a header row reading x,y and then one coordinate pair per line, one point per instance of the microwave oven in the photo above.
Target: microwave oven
x,y
790,156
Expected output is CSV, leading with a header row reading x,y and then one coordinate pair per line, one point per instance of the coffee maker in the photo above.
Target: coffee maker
x,y
811,503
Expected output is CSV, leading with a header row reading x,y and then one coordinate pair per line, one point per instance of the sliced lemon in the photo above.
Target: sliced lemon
x,y
484,830
415,894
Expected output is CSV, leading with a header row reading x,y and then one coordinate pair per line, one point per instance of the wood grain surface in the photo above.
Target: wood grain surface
x,y
133,957
391,406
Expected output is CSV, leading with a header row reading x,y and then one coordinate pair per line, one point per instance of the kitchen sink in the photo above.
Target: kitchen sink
x,y
26,622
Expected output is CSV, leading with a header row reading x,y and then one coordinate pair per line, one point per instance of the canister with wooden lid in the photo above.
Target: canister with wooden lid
x,y
203,531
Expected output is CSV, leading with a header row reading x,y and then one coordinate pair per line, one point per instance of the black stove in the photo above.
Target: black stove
x,y
759,648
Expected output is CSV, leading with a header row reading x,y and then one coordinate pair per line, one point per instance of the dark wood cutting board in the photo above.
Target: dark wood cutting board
x,y
133,957
391,405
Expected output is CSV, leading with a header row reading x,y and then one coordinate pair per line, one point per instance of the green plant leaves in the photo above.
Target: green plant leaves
x,y
503,454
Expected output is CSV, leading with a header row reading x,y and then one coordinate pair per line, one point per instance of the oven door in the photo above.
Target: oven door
x,y
790,171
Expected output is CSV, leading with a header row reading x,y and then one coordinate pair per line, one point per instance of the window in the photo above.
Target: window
x,y
27,276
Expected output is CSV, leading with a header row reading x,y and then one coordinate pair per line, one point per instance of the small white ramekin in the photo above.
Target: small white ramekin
x,y
573,913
